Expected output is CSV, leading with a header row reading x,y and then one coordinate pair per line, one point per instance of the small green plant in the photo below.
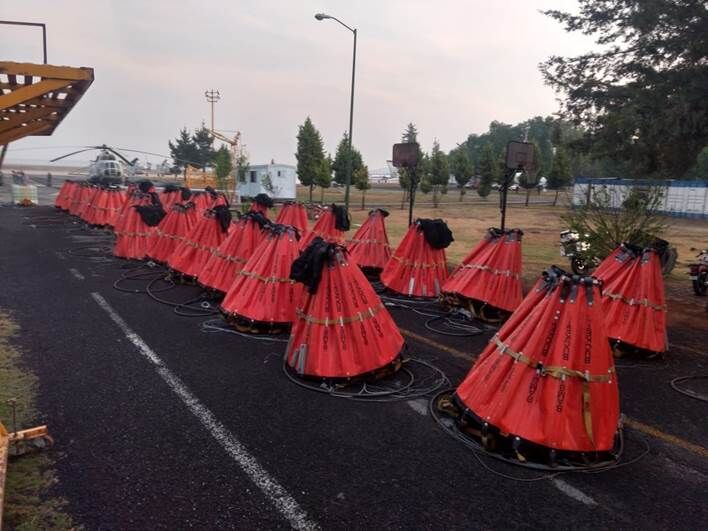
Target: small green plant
x,y
609,219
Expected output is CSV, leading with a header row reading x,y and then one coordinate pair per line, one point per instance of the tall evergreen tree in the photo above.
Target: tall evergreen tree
x,y
203,142
425,181
462,168
310,155
183,150
641,94
223,166
341,161
410,135
560,175
488,170
361,180
439,172
323,176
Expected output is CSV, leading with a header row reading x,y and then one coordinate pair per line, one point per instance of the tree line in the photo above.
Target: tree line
x,y
315,168
197,149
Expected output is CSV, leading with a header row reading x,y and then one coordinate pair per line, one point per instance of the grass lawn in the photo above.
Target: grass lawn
x,y
27,502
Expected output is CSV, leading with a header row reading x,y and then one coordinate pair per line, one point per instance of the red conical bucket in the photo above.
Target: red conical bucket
x,y
210,230
293,214
116,199
172,230
330,226
633,300
221,270
369,247
342,328
263,297
490,275
134,235
547,378
418,267
63,197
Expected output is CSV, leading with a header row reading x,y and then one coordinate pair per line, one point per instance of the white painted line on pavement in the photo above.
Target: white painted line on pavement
x,y
75,273
419,405
59,255
274,491
574,493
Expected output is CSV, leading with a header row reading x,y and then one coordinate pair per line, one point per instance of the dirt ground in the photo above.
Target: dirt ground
x,y
541,223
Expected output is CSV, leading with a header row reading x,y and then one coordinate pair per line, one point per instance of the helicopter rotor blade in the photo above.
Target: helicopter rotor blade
x,y
70,154
161,155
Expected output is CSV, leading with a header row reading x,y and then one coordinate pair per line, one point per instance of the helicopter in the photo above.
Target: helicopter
x,y
108,163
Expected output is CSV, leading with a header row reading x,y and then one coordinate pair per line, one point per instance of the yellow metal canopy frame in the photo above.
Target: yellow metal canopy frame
x,y
35,98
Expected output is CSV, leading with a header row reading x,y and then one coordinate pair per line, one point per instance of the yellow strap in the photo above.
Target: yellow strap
x,y
441,265
552,370
561,373
267,280
361,316
635,302
504,272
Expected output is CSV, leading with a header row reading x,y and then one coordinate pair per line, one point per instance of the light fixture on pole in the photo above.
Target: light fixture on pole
x,y
348,182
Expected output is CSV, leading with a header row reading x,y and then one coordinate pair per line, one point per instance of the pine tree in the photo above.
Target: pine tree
x,y
183,150
310,154
361,180
462,168
410,135
439,172
640,94
341,161
488,170
223,166
423,174
323,176
560,174
203,142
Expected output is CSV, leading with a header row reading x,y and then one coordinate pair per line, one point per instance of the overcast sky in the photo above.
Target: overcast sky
x,y
450,67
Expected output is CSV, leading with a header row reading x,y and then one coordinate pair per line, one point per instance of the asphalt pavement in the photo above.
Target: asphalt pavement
x,y
159,424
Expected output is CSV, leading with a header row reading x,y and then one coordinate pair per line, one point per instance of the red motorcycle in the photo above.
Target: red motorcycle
x,y
698,273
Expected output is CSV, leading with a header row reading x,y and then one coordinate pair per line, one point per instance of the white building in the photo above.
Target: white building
x,y
282,179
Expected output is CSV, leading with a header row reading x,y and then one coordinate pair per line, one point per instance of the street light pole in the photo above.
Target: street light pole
x,y
350,158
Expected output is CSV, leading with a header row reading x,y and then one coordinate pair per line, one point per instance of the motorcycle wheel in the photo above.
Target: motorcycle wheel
x,y
668,260
579,266
699,285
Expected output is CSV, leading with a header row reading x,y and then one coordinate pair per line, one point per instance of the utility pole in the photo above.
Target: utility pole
x,y
212,96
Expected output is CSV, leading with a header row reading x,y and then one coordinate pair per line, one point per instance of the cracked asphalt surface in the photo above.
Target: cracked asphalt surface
x,y
132,455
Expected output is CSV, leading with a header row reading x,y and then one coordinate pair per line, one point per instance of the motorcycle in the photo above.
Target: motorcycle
x,y
698,273
575,249
578,250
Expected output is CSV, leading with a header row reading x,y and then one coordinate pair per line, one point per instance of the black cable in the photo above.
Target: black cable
x,y
466,330
379,391
689,392
185,308
138,274
479,452
217,325
337,390
92,251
